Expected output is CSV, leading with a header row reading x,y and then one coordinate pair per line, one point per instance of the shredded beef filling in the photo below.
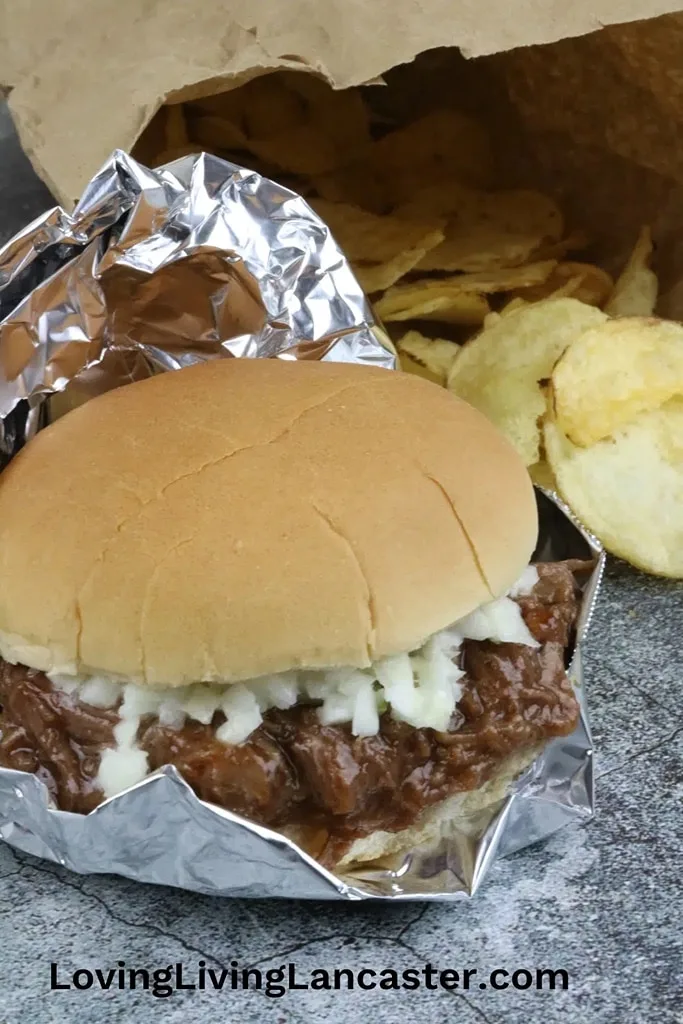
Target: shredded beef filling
x,y
293,770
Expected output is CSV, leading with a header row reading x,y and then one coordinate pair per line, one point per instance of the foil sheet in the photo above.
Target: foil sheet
x,y
154,270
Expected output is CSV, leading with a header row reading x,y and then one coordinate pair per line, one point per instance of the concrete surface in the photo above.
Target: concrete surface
x,y
601,901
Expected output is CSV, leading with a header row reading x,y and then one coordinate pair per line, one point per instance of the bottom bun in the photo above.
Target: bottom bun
x,y
458,813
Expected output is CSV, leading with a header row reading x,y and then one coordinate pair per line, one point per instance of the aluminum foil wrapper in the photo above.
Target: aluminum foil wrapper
x,y
155,270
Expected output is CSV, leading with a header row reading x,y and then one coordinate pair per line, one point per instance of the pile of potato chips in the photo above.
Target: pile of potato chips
x,y
480,290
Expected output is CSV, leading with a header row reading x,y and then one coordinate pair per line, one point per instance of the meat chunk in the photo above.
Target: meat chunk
x,y
64,738
345,774
254,779
551,609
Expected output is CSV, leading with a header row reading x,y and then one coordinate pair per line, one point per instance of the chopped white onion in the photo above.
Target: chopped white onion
x,y
335,709
67,684
202,703
526,582
365,721
397,679
421,689
500,621
172,714
242,714
125,764
121,767
101,692
277,691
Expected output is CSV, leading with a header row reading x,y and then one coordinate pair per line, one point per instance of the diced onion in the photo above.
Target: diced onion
x,y
500,621
172,714
67,684
421,689
101,692
335,709
277,691
121,767
526,582
397,680
365,721
242,714
203,702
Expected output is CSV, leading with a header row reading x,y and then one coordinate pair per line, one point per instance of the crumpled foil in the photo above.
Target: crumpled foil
x,y
155,270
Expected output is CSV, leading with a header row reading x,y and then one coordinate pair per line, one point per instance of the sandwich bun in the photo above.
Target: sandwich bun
x,y
245,517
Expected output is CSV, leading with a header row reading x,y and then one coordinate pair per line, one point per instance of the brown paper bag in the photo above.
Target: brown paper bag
x,y
595,117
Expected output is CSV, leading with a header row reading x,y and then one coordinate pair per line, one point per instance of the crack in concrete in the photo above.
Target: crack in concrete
x,y
456,995
13,857
644,693
303,945
397,940
418,917
640,753
288,1013
472,1006
46,870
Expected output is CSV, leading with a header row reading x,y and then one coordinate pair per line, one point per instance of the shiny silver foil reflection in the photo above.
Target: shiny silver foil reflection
x,y
153,271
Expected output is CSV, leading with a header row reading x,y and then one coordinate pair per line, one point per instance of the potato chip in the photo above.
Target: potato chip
x,y
365,236
377,277
491,230
636,290
568,290
614,371
443,146
504,279
310,129
499,370
434,354
383,338
357,185
490,319
485,250
175,128
302,150
573,242
409,294
517,303
438,199
228,105
628,488
213,133
410,365
270,107
543,476
590,284
446,307
582,281
340,112
261,107
216,132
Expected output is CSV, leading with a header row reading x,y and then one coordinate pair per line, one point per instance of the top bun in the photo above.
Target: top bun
x,y
243,517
